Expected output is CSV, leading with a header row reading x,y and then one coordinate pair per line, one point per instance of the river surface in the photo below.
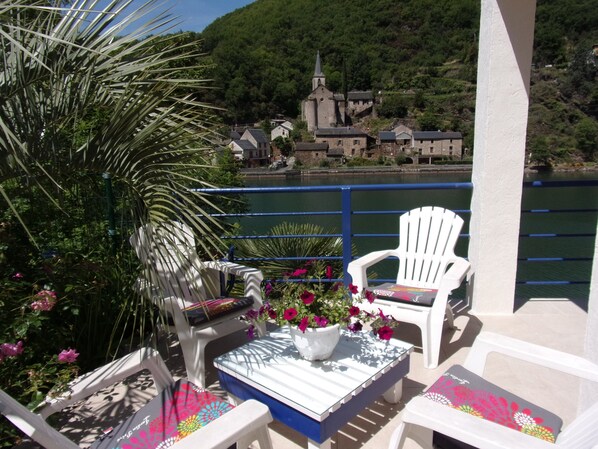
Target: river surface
x,y
529,272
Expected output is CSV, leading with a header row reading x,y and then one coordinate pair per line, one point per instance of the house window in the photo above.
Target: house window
x,y
340,142
355,142
451,141
352,151
431,150
317,154
421,141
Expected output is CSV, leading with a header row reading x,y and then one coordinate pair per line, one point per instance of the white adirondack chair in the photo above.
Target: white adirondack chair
x,y
428,271
187,290
422,415
242,425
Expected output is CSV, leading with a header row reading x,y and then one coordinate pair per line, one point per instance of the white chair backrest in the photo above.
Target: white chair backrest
x,y
582,432
167,251
427,240
33,425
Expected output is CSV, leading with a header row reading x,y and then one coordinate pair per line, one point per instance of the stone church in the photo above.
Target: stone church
x,y
326,109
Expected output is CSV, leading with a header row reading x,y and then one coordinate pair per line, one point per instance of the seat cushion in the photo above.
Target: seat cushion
x,y
176,412
403,293
463,390
202,312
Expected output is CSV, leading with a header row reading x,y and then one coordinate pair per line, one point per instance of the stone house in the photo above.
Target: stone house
x,y
311,153
253,148
350,141
430,145
281,130
360,103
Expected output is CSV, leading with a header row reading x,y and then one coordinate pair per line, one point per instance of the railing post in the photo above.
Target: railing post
x,y
346,230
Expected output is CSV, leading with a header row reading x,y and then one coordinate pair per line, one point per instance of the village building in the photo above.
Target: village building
x,y
326,109
282,130
311,153
347,141
253,148
431,145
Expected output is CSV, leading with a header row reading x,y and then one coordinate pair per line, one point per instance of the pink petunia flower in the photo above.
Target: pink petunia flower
x,y
329,272
11,349
68,356
307,297
268,289
355,327
353,289
303,324
321,321
46,299
354,310
385,333
251,332
369,295
17,276
299,272
290,313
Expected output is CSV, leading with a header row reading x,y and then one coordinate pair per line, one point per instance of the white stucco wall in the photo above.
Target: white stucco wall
x,y
504,66
589,390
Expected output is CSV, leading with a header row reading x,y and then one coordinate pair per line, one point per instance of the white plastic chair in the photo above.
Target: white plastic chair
x,y
177,280
427,239
243,424
422,416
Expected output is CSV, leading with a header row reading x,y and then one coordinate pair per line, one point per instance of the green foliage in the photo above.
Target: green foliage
x,y
285,145
360,162
393,106
586,134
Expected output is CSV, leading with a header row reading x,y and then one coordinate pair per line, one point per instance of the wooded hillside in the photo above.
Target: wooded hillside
x,y
419,54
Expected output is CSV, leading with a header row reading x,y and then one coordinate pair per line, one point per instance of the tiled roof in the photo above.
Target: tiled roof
x,y
244,144
436,135
331,132
311,146
360,95
387,135
258,135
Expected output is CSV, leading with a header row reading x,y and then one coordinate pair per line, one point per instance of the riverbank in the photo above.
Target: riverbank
x,y
290,172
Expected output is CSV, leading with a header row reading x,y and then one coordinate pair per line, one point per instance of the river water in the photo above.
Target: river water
x,y
529,272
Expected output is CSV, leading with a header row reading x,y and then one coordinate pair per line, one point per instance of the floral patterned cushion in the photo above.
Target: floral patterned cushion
x,y
202,312
175,413
463,390
403,293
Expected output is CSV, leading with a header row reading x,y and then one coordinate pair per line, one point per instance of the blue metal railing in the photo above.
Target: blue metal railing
x,y
346,214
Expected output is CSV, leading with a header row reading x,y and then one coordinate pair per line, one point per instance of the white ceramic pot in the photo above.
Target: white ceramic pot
x,y
316,344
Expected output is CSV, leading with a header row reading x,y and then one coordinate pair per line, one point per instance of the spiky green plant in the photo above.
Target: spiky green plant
x,y
62,66
292,250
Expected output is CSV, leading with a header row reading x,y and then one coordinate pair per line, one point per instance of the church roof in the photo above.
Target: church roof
x,y
318,69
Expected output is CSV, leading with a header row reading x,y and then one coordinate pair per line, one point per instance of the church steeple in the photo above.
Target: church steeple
x,y
318,79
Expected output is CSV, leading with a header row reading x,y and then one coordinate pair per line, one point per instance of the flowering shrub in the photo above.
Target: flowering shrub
x,y
299,302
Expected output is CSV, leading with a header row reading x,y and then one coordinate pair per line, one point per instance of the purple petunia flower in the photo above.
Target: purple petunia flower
x,y
385,333
329,272
355,327
321,321
307,297
354,310
290,313
299,272
303,324
11,349
353,289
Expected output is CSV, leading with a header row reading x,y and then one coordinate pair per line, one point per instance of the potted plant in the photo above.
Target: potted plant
x,y
316,306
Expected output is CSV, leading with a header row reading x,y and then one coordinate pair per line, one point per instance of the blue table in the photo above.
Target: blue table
x,y
315,398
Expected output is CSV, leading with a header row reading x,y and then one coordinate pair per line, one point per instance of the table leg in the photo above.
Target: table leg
x,y
394,393
311,444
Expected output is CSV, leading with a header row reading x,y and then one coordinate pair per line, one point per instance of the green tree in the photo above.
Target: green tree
x,y
285,145
586,134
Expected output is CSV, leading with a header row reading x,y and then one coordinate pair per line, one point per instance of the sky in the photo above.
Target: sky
x,y
195,15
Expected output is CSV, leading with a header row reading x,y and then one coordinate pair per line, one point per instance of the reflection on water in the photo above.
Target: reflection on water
x,y
458,200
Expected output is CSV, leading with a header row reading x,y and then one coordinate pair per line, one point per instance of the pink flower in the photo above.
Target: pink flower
x,y
354,310
272,314
68,356
299,272
385,333
329,272
46,299
11,349
251,332
353,289
307,297
290,313
369,295
303,324
321,321
268,289
17,276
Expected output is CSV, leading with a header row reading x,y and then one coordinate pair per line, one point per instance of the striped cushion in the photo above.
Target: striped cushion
x,y
463,390
403,293
175,413
202,312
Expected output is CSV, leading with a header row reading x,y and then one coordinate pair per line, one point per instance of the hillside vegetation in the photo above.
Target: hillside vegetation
x,y
419,55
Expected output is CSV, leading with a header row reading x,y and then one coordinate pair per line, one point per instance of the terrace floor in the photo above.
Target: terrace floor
x,y
557,324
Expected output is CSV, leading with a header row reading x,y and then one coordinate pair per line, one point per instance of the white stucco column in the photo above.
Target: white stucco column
x,y
504,65
589,390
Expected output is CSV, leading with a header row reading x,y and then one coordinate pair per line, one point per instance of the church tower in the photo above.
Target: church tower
x,y
318,79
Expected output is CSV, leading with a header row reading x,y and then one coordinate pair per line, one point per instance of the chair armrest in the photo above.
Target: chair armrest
x,y
252,277
357,268
468,428
107,375
453,278
228,428
487,342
